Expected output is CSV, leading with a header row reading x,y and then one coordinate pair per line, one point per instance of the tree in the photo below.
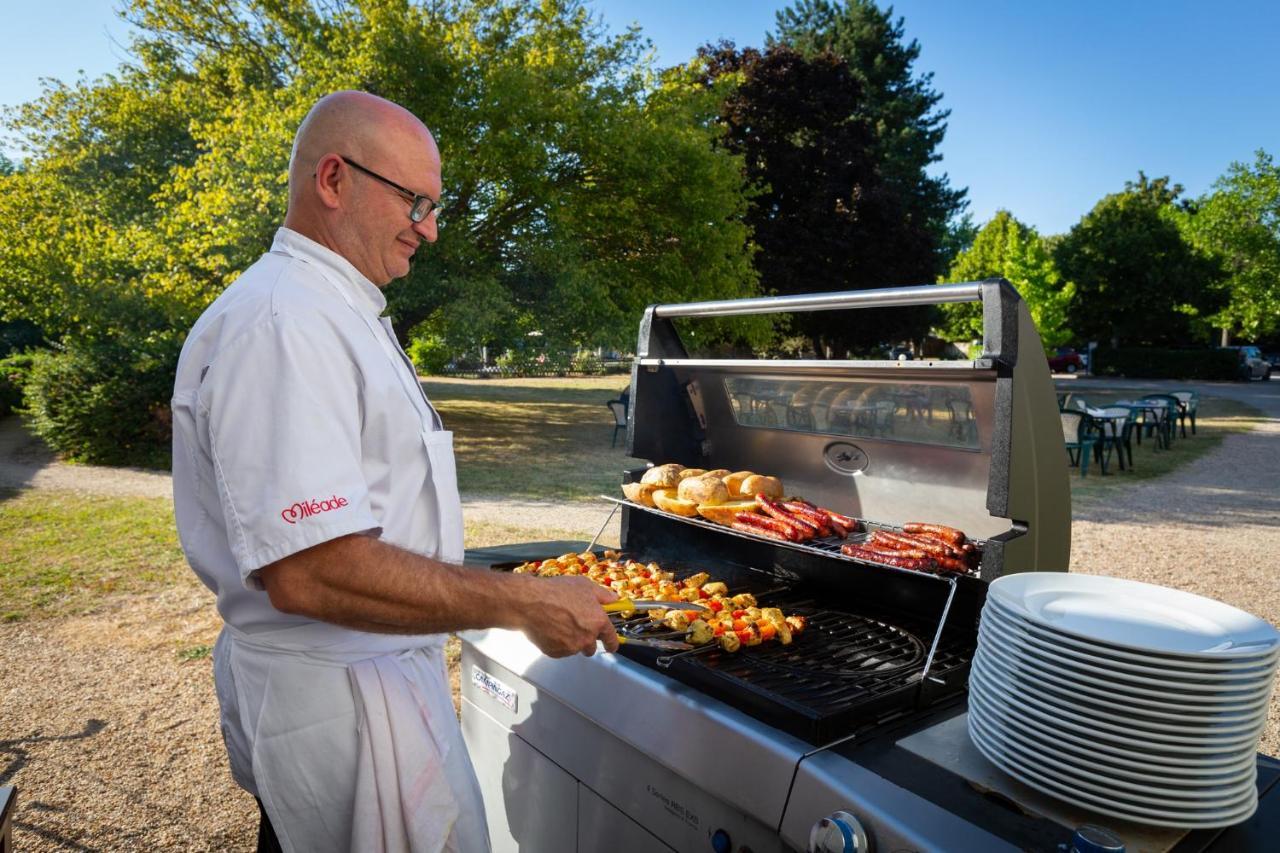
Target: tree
x,y
1007,248
1137,281
823,217
900,108
579,185
1238,224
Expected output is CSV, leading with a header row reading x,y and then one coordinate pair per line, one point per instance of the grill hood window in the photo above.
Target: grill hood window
x,y
941,415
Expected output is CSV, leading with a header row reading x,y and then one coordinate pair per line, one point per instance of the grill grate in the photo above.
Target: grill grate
x,y
828,547
845,669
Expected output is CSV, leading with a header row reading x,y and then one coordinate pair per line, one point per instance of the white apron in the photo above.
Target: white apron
x,y
352,737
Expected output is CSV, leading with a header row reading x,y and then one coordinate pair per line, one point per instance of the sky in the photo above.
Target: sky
x,y
1053,105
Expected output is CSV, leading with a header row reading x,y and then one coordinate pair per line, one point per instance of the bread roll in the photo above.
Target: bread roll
x,y
724,513
666,500
758,484
692,472
733,482
703,490
663,476
718,473
641,493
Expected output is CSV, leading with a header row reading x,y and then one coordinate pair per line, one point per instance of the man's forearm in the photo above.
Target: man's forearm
x,y
369,585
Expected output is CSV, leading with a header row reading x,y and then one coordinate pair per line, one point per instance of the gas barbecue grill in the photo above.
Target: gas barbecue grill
x,y
852,737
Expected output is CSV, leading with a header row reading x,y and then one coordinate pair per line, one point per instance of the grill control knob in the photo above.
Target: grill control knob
x,y
839,832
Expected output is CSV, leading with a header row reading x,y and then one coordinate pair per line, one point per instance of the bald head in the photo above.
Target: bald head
x,y
356,209
356,124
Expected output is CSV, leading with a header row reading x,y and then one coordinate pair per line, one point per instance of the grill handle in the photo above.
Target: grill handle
x,y
1000,306
889,297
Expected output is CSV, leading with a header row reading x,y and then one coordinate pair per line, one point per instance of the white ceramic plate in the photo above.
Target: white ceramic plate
x,y
1125,737
1136,616
1106,782
1021,645
1057,690
1112,767
1121,730
1109,806
1198,679
994,609
1099,689
1173,765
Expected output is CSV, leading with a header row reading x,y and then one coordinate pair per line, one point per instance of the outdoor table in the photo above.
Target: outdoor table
x,y
1112,428
1158,411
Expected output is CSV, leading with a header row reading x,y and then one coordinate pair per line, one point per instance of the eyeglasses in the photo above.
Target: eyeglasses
x,y
420,206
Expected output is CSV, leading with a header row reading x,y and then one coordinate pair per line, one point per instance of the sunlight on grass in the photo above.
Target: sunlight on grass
x,y
63,553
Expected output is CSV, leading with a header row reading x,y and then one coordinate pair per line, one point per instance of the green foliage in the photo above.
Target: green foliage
x,y
104,402
1157,363
1007,248
429,353
14,369
1137,280
899,107
581,185
823,217
1238,224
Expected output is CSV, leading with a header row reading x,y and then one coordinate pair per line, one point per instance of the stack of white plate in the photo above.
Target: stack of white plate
x,y
1131,700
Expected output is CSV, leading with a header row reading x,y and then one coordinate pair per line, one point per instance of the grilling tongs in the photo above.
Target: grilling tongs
x,y
624,604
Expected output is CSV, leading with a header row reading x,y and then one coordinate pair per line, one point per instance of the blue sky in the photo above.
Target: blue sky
x,y
1053,105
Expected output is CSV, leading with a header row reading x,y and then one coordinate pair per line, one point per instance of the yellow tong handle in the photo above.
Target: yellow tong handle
x,y
619,606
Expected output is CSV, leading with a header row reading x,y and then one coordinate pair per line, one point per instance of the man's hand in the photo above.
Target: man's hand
x,y
564,616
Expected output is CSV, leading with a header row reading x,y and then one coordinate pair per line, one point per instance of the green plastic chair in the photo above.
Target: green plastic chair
x,y
1080,436
1190,401
1167,421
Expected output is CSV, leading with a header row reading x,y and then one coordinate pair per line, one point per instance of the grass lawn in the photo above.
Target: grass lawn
x,y
533,438
1216,418
63,553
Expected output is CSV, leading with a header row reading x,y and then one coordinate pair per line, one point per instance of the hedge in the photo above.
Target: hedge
x,y
105,403
1155,363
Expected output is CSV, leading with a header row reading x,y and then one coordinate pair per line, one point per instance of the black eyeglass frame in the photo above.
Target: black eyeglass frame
x,y
420,206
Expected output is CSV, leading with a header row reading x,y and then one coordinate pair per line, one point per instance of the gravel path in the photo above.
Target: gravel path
x,y
112,737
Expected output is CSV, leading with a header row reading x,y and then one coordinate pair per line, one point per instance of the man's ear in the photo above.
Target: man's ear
x,y
330,180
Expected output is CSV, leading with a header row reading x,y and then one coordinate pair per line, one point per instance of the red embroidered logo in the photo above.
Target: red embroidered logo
x,y
305,509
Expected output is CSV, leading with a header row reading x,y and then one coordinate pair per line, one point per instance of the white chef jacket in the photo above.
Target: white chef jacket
x,y
297,419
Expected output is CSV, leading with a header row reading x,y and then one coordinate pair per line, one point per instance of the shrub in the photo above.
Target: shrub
x,y
105,402
13,376
429,354
1156,363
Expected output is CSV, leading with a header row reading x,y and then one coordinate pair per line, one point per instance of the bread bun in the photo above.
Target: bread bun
x,y
663,476
704,490
666,500
724,513
692,472
734,482
719,473
641,493
756,484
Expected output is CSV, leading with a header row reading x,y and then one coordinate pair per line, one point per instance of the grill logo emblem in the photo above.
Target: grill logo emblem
x,y
306,509
500,692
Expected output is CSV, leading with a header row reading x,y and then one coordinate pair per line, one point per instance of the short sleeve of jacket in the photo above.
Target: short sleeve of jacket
x,y
283,412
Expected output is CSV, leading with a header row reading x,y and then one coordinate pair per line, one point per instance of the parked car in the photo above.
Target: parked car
x,y
1252,364
1066,360
1273,359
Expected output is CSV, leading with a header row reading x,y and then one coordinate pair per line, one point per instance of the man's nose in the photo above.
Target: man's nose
x,y
426,229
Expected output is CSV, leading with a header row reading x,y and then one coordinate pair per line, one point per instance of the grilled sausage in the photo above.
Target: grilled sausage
x,y
860,553
951,564
755,527
947,534
914,543
807,512
917,553
802,529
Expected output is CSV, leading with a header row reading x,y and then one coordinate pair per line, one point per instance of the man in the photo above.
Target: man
x,y
315,494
